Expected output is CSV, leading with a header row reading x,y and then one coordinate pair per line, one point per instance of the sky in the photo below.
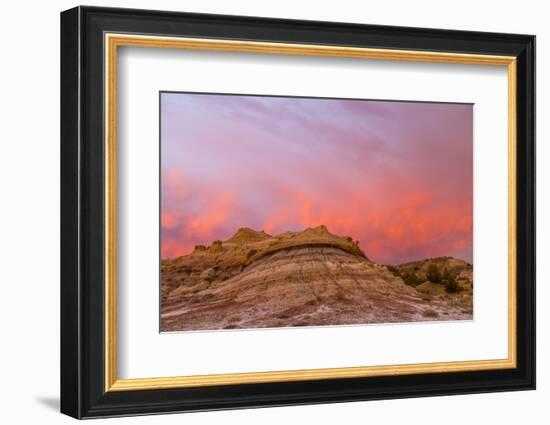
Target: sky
x,y
397,176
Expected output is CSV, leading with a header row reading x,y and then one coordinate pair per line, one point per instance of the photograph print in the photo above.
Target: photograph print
x,y
283,211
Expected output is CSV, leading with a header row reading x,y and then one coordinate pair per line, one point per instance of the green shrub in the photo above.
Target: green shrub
x,y
411,279
394,270
450,282
433,274
452,287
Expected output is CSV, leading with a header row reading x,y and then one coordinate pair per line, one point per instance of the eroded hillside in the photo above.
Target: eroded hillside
x,y
303,278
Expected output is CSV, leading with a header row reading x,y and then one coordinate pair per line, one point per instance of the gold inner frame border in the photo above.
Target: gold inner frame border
x,y
111,43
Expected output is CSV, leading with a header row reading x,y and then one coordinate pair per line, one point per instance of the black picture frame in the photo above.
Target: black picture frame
x,y
83,392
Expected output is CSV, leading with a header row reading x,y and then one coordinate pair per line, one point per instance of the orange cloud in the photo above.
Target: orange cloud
x,y
395,176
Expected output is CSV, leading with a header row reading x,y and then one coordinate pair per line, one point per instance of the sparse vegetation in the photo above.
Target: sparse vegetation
x,y
432,289
394,270
464,302
430,313
433,274
340,285
234,319
450,282
440,275
411,279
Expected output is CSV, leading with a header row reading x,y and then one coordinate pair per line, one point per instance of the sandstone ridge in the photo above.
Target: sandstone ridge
x,y
307,278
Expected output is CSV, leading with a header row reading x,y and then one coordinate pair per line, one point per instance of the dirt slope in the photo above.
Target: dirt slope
x,y
294,279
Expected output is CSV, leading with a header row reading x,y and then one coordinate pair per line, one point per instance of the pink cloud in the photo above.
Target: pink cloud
x,y
395,176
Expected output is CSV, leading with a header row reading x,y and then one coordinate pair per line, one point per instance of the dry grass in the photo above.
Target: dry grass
x,y
234,319
430,313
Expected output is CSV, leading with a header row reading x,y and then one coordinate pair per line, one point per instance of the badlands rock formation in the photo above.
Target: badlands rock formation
x,y
304,278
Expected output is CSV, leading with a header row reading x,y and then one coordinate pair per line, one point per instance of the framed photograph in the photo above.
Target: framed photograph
x,y
261,212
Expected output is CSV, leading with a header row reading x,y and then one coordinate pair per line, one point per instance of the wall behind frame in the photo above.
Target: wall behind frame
x,y
29,217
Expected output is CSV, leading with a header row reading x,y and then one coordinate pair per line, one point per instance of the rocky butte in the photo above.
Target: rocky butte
x,y
308,278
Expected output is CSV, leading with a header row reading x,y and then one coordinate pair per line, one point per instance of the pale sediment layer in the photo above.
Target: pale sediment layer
x,y
310,278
